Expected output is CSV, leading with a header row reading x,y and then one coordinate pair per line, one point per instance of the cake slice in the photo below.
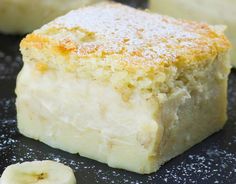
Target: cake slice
x,y
23,16
123,86
211,11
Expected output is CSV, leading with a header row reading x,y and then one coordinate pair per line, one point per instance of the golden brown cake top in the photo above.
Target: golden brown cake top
x,y
131,36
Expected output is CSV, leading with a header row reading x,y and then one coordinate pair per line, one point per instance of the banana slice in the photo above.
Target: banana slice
x,y
38,172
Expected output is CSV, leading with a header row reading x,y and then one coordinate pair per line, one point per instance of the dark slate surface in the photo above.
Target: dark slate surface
x,y
212,161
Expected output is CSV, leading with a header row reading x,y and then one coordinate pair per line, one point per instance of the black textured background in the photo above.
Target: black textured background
x,y
212,161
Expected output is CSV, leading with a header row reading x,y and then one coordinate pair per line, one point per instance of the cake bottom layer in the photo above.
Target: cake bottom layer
x,y
91,118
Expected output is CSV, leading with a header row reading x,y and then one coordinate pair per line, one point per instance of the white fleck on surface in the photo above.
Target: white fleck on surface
x,y
136,36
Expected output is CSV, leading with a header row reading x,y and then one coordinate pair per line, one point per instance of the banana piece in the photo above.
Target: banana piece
x,y
38,172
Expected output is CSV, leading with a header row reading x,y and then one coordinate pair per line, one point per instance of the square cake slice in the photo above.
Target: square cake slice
x,y
123,86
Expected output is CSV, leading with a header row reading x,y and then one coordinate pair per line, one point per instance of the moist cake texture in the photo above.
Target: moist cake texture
x,y
123,86
211,11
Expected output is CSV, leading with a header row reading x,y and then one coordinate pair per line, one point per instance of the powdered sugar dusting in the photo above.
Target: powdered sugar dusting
x,y
212,161
121,30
